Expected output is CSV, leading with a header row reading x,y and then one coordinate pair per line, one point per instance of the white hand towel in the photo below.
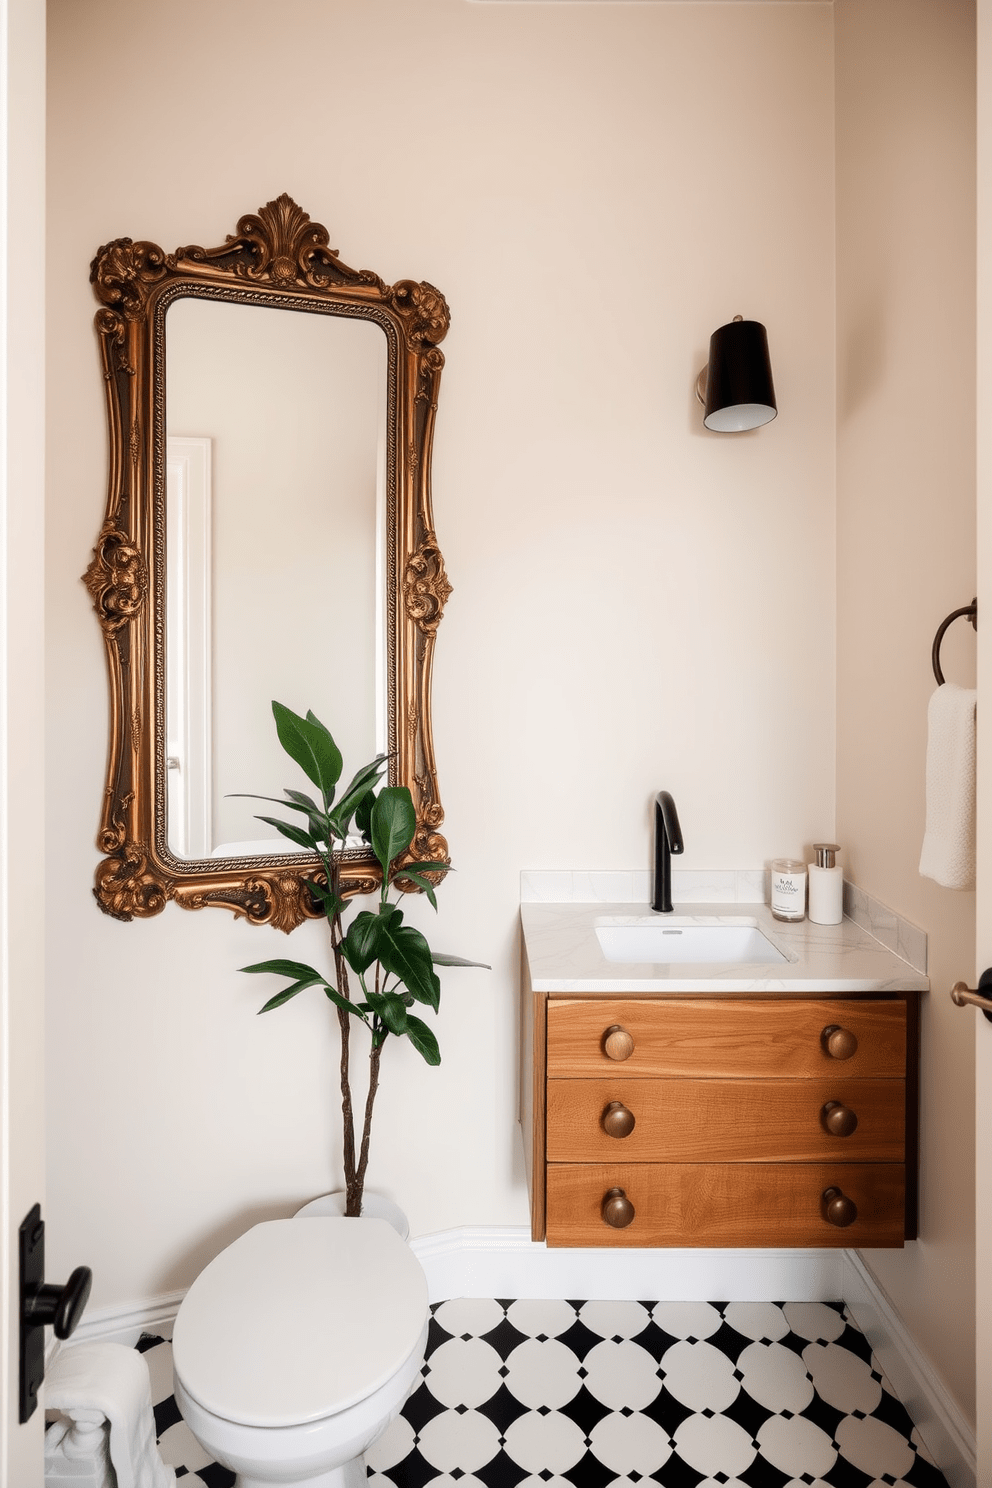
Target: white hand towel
x,y
948,855
113,1380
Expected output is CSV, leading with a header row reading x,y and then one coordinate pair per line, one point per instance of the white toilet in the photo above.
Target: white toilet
x,y
297,1345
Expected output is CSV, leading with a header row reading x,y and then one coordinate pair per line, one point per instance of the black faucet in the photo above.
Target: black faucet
x,y
667,840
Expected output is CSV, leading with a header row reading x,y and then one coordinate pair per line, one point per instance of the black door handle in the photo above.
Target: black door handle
x,y
61,1307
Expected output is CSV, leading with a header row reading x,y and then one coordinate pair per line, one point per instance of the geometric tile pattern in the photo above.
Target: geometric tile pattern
x,y
177,1445
687,1394
522,1394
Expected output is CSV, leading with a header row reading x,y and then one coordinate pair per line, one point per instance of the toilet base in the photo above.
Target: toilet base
x,y
267,1457
252,1430
351,1474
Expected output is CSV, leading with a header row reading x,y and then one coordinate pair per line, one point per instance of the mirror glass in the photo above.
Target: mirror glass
x,y
275,447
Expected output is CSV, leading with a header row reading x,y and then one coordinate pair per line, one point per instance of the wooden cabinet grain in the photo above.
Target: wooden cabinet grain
x,y
721,1120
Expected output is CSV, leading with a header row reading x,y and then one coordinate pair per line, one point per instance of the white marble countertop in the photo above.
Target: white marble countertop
x,y
564,954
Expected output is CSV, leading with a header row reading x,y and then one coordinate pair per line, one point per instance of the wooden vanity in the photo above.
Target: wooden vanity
x,y
721,1119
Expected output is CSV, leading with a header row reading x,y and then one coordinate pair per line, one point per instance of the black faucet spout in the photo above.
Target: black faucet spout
x,y
667,840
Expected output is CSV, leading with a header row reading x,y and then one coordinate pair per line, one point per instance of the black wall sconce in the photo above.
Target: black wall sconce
x,y
735,387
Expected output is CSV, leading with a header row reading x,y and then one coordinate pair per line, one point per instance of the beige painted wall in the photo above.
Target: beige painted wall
x,y
637,603
906,558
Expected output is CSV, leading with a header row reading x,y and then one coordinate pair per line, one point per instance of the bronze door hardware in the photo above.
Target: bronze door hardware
x,y
962,994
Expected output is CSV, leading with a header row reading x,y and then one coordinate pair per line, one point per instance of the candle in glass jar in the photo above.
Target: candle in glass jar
x,y
788,889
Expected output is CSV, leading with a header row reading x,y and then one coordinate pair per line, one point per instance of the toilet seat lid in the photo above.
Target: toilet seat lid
x,y
299,1319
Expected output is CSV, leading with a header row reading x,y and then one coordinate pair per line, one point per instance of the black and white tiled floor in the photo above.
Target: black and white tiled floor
x,y
523,1394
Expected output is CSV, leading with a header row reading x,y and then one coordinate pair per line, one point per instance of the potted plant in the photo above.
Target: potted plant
x,y
391,961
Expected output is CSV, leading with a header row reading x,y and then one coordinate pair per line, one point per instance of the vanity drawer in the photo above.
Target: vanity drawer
x,y
738,1038
726,1204
725,1120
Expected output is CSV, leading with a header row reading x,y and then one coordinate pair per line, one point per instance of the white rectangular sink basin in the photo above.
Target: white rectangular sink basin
x,y
659,943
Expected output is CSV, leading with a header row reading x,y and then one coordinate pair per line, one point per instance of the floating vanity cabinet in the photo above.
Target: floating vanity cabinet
x,y
720,1120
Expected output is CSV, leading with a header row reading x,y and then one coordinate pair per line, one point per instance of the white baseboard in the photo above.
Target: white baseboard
x,y
126,1321
505,1262
949,1436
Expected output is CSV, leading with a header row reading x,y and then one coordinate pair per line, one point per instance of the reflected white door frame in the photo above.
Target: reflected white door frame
x,y
189,721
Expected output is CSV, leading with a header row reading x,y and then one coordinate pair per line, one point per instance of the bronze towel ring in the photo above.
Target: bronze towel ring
x,y
972,613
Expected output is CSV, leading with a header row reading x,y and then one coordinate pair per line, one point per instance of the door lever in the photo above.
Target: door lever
x,y
59,1307
962,995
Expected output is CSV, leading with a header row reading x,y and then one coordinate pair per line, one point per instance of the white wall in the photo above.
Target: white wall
x,y
906,558
637,603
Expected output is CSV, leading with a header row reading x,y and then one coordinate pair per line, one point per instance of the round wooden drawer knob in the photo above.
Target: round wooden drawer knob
x,y
839,1120
838,1209
839,1043
617,1042
617,1209
617,1120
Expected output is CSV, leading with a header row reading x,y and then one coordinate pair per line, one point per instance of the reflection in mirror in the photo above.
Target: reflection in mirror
x,y
268,533
280,513
188,647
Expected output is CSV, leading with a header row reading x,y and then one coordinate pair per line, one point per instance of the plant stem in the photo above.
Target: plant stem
x,y
363,1161
353,1196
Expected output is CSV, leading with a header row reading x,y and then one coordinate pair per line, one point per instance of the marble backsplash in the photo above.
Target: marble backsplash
x,y
723,886
897,934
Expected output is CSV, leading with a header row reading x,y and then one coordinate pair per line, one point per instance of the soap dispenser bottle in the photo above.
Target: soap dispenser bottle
x,y
826,885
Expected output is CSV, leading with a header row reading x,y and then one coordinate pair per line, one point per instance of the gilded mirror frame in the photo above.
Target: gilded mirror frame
x,y
276,257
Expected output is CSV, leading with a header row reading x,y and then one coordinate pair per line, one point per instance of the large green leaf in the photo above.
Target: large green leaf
x,y
283,996
330,903
345,1004
357,791
422,1039
363,815
321,825
310,744
277,800
294,969
318,821
391,1009
404,952
295,834
393,823
301,800
422,883
302,976
360,946
441,958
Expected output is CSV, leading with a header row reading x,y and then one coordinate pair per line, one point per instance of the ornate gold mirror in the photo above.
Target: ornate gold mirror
x,y
269,534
